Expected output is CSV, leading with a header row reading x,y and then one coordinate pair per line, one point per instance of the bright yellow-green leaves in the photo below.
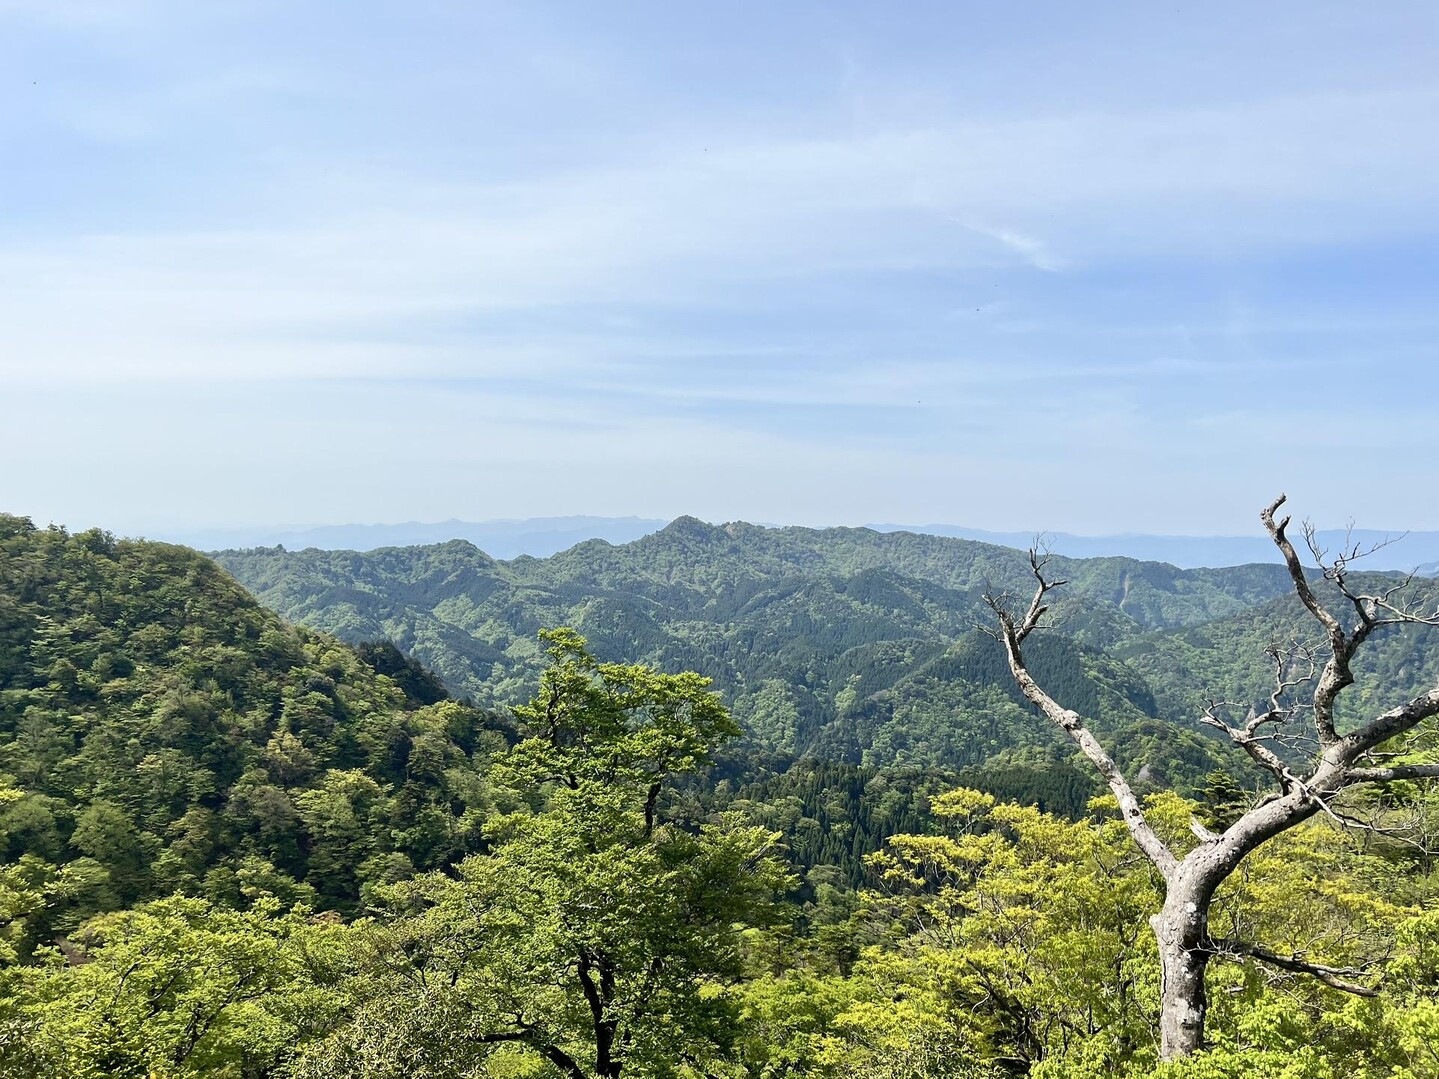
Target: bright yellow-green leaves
x,y
178,989
1019,942
1006,942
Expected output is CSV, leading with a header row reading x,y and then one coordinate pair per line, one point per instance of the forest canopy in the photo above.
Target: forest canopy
x,y
239,848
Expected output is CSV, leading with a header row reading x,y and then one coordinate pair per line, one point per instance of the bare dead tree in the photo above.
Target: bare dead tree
x,y
1336,762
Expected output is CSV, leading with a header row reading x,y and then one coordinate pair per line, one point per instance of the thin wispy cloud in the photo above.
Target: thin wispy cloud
x,y
731,222
791,237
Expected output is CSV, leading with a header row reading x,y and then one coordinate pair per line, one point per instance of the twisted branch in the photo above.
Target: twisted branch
x,y
1334,977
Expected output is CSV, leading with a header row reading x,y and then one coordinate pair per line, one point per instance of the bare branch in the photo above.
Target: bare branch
x,y
1247,740
1370,613
1277,532
1350,553
1201,833
1286,661
1369,607
1350,823
1392,774
1336,675
1387,725
1293,666
1401,614
1334,977
997,602
1000,604
1013,634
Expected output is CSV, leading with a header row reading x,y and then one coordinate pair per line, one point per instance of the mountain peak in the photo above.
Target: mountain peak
x,y
688,527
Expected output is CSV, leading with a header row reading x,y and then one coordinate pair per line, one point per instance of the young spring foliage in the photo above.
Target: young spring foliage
x,y
594,936
1015,943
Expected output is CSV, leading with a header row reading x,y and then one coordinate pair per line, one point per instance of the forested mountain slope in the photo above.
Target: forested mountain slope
x,y
161,730
846,643
161,734
1227,660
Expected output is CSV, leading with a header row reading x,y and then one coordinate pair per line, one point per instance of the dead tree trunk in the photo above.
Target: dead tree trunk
x,y
1183,999
1181,927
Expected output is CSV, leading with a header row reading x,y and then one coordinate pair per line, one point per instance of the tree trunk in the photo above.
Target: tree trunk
x,y
652,798
1181,928
606,1066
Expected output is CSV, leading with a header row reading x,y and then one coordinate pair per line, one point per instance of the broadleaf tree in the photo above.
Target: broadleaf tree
x,y
594,937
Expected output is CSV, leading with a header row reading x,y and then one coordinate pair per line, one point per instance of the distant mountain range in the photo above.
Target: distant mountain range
x,y
1399,551
541,537
537,536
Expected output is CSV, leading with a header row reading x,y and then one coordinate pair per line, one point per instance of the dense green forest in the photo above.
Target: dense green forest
x,y
169,733
844,644
772,807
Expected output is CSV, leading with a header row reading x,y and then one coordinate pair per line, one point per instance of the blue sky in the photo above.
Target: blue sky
x,y
1089,268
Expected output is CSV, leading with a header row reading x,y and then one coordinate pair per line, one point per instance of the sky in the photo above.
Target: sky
x,y
1078,267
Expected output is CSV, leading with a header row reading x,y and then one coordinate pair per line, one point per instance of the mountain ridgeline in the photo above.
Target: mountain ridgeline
x,y
840,644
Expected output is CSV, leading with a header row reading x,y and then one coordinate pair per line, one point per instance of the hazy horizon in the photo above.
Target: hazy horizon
x,y
164,531
542,537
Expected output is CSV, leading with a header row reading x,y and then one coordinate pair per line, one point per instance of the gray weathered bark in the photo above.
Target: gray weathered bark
x,y
1181,930
1181,927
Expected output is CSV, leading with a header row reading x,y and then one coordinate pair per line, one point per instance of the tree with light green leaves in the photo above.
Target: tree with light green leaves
x,y
1009,942
595,938
178,988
